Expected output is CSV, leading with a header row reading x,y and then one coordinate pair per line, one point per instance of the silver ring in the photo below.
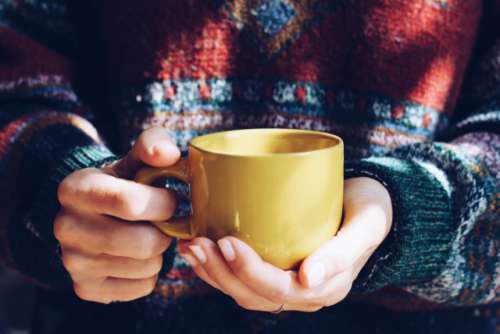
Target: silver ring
x,y
279,310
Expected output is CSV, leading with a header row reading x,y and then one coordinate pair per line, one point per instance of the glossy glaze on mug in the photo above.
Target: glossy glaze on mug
x,y
279,190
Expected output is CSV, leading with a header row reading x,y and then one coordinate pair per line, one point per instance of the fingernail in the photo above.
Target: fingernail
x,y
189,259
316,274
198,252
227,249
162,147
153,150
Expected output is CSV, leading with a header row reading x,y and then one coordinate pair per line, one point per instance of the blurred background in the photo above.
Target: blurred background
x,y
16,303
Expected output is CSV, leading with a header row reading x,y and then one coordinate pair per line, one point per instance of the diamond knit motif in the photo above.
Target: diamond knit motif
x,y
274,24
273,15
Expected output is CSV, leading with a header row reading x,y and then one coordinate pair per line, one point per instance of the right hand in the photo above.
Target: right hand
x,y
108,247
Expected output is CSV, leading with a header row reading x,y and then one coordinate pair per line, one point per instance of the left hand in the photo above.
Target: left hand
x,y
323,279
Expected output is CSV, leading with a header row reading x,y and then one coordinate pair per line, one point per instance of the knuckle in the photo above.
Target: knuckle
x,y
72,263
65,190
84,292
64,227
69,186
58,228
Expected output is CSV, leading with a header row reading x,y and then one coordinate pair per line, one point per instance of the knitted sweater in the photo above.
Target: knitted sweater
x,y
412,86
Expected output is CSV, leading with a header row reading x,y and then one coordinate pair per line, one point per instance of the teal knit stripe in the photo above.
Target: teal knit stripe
x,y
51,154
83,157
417,247
43,262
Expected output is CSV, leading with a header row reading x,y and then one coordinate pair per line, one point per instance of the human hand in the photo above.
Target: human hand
x,y
323,279
108,248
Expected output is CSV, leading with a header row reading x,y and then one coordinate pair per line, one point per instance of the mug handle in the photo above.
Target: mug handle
x,y
177,227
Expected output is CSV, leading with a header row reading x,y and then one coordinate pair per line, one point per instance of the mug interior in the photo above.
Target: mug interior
x,y
259,142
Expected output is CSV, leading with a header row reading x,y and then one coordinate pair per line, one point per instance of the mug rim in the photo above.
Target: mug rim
x,y
340,143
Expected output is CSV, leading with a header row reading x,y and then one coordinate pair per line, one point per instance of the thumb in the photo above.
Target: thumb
x,y
153,147
335,256
364,228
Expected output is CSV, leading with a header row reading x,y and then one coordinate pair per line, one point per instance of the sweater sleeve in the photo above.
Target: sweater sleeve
x,y
445,241
45,134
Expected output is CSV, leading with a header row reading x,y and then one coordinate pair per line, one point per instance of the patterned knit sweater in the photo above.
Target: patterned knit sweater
x,y
412,86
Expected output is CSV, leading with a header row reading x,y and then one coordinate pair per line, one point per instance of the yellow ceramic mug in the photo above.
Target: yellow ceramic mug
x,y
278,190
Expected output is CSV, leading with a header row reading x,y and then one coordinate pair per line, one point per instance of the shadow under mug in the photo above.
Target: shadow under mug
x,y
278,190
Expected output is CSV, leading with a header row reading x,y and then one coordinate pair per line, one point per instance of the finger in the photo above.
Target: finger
x,y
364,228
115,289
154,147
195,265
330,293
256,305
209,257
97,234
275,284
334,290
92,190
78,263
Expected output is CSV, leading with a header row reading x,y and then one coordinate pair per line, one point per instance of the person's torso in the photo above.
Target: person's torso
x,y
378,73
